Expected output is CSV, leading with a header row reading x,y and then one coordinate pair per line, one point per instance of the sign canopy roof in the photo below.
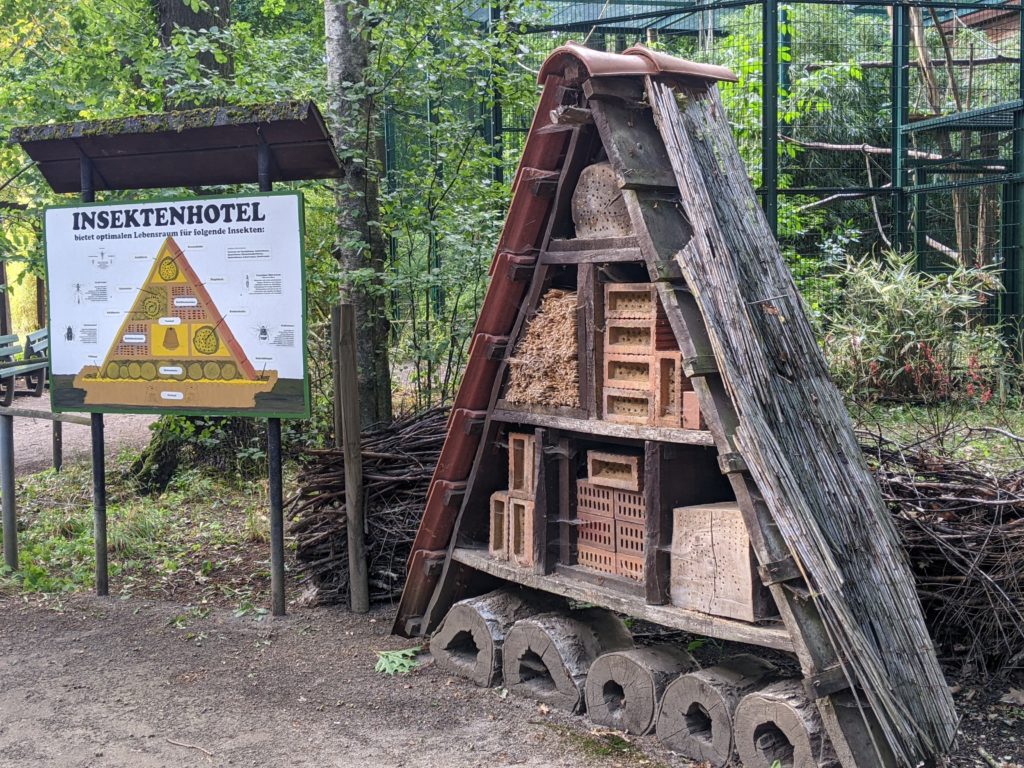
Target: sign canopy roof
x,y
189,148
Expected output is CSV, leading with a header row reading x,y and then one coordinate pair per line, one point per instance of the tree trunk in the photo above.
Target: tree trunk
x,y
177,13
360,247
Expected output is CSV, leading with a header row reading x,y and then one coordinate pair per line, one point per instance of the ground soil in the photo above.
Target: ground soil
x,y
139,684
134,683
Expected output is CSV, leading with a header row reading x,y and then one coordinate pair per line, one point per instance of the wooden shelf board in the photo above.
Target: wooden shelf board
x,y
605,428
599,256
593,244
772,635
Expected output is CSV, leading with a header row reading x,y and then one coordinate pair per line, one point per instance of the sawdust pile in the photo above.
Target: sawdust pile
x,y
543,368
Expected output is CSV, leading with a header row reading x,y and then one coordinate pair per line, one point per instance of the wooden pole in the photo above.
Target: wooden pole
x,y
7,490
336,368
359,588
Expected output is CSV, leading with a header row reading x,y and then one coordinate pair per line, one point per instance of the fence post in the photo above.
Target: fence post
x,y
359,589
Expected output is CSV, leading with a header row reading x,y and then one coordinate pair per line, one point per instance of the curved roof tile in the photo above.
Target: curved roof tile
x,y
636,62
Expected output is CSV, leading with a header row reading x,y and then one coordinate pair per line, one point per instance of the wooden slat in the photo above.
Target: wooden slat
x,y
769,635
606,428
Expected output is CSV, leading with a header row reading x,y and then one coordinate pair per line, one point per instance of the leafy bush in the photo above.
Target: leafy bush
x,y
898,333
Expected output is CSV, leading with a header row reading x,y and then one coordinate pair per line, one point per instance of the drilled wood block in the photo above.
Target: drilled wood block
x,y
630,566
630,301
595,531
498,539
594,499
520,524
630,507
521,461
628,406
615,470
627,371
596,559
692,417
713,566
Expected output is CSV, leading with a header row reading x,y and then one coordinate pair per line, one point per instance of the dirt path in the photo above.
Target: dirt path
x,y
118,682
33,437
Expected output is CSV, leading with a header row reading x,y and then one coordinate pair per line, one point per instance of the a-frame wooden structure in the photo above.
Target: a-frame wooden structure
x,y
777,438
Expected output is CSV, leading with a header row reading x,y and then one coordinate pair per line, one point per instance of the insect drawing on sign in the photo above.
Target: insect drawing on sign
x,y
78,293
262,333
69,334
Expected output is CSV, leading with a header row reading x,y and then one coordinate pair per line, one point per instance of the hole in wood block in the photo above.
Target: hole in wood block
x,y
614,696
629,538
630,507
498,545
596,559
615,470
630,566
630,301
773,746
596,531
628,373
463,648
593,499
534,673
698,723
520,464
631,407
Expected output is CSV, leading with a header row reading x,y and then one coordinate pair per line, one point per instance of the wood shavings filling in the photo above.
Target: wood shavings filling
x,y
543,368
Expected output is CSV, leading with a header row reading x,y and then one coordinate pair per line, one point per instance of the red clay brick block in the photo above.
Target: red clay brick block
x,y
630,301
498,540
595,531
521,447
629,506
630,566
629,538
627,372
594,499
520,531
596,559
615,470
692,417
628,406
669,386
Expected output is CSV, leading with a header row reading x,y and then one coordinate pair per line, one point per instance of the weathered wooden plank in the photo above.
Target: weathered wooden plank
x,y
769,635
801,451
637,154
599,256
560,245
606,428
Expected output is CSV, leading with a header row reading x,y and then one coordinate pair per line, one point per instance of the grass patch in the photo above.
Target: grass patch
x,y
602,744
202,541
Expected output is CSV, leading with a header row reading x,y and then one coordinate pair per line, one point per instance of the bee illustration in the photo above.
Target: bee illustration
x,y
78,293
262,333
69,334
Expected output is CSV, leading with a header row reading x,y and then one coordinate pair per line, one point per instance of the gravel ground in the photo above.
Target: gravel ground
x,y
138,684
33,442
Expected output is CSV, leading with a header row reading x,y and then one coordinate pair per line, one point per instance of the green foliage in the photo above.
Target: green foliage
x,y
897,333
400,662
189,539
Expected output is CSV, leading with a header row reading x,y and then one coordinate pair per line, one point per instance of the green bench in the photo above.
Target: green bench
x,y
32,368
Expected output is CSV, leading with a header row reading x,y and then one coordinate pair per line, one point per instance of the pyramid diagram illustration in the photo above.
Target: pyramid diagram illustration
x,y
174,348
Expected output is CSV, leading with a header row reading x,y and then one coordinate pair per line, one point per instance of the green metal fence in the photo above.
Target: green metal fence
x,y
865,126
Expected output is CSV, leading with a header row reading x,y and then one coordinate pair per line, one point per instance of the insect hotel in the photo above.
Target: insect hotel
x,y
646,428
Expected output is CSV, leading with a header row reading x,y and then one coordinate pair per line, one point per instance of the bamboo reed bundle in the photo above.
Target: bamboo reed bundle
x,y
796,436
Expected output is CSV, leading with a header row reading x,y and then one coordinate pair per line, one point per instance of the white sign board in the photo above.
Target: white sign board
x,y
190,305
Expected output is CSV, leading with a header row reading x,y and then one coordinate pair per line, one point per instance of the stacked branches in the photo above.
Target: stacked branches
x,y
963,529
398,462
543,369
796,436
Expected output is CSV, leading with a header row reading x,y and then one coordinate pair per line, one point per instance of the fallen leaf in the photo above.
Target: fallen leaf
x,y
1015,696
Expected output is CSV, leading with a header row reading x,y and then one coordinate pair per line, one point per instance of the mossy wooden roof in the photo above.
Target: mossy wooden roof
x,y
197,147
